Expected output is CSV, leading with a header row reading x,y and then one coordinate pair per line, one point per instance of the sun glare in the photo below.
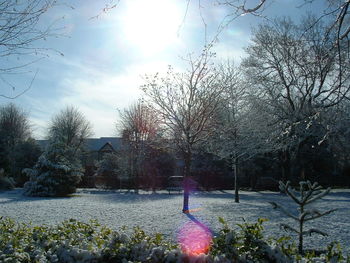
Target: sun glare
x,y
194,238
151,26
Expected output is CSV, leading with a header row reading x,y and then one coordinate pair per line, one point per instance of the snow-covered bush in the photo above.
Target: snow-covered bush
x,y
248,245
77,242
56,173
73,241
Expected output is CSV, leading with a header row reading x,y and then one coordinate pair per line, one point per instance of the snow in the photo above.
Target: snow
x,y
161,212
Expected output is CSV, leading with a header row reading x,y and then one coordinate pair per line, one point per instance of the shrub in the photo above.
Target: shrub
x,y
56,173
248,245
73,241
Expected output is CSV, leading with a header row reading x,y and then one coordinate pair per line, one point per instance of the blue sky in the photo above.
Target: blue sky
x,y
105,58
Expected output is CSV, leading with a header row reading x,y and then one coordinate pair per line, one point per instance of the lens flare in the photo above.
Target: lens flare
x,y
194,238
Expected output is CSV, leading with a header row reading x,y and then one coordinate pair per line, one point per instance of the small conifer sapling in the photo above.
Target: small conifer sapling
x,y
307,194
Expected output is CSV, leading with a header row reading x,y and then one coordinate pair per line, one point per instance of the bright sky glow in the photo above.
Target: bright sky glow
x,y
106,58
151,26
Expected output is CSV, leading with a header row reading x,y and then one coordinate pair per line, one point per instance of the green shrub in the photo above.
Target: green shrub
x,y
335,254
73,241
247,245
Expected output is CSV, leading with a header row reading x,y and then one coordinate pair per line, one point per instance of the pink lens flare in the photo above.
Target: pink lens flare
x,y
189,184
194,238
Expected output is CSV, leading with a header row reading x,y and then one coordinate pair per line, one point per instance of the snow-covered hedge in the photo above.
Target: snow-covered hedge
x,y
74,241
56,173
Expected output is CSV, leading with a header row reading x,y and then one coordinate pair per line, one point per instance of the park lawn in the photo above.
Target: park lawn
x,y
161,212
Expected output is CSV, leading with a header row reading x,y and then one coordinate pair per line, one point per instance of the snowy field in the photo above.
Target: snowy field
x,y
161,212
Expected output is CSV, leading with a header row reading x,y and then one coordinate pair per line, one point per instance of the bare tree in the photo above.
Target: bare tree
x,y
335,15
242,131
295,78
14,125
225,140
140,127
70,128
338,134
19,36
140,121
335,12
187,103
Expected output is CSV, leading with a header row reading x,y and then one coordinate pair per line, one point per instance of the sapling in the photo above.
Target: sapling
x,y
307,194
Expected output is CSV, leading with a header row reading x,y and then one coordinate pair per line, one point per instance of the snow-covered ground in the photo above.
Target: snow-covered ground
x,y
161,212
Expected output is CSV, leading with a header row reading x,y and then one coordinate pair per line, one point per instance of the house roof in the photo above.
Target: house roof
x,y
93,144
107,148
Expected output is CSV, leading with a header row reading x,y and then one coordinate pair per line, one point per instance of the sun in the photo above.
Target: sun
x,y
151,25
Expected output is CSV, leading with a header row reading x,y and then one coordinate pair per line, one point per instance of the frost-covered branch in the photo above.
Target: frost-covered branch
x,y
316,214
285,211
289,191
314,231
286,227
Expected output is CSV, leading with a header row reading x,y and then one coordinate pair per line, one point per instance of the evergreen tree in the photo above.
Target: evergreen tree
x,y
307,194
56,173
59,168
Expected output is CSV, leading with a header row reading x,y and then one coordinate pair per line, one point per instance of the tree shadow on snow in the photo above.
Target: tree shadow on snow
x,y
131,197
16,195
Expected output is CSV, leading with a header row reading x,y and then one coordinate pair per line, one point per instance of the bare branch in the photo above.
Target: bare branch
x,y
19,34
13,87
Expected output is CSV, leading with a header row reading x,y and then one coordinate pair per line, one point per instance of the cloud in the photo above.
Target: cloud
x,y
99,94
226,51
39,127
101,72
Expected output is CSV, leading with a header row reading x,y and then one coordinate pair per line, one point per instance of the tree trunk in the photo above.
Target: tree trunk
x,y
235,170
136,176
185,208
301,223
302,173
285,166
187,174
134,169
